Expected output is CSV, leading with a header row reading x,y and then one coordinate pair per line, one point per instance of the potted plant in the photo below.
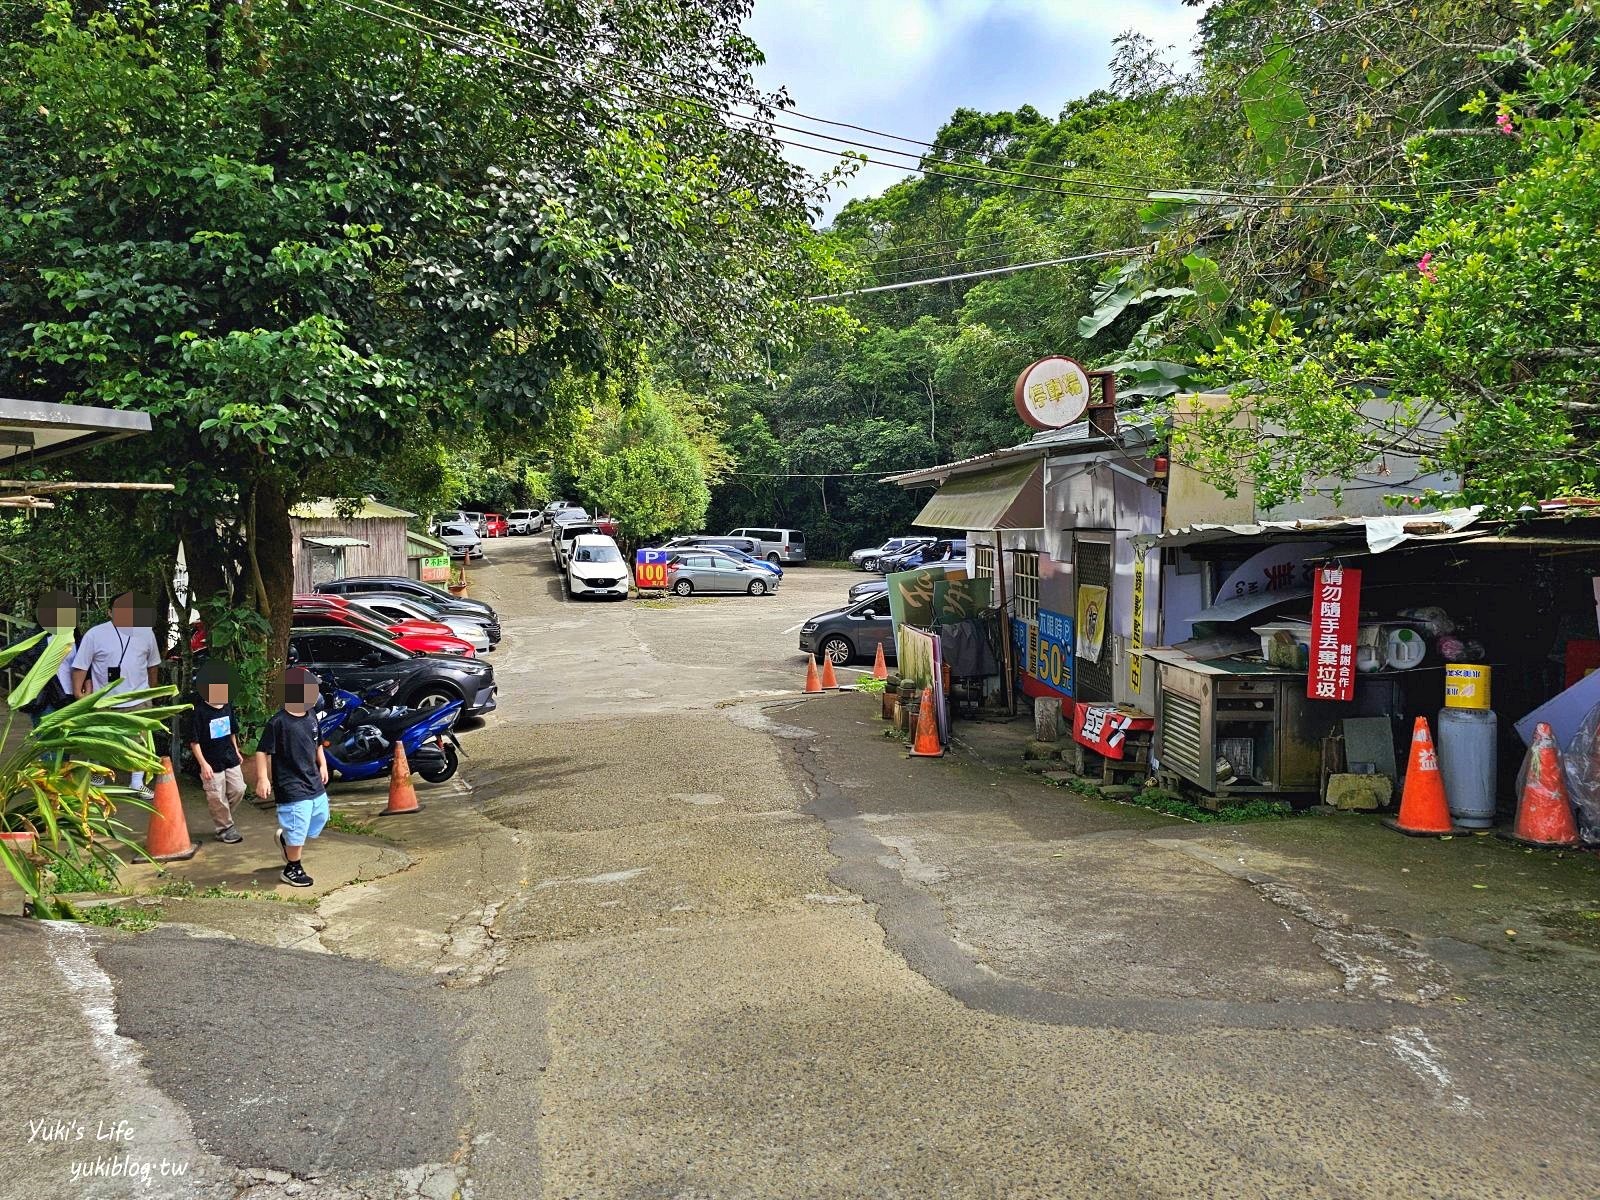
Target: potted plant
x,y
55,794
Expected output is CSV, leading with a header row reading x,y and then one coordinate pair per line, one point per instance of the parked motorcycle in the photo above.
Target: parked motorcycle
x,y
359,734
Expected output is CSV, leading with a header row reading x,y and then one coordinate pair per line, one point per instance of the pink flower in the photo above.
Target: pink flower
x,y
1504,125
1425,267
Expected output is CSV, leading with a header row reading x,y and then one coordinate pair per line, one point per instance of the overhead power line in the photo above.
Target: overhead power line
x,y
1049,262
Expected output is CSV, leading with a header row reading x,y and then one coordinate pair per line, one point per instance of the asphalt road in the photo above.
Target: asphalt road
x,y
689,936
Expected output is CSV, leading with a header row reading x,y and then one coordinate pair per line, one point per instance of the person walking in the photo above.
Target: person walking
x,y
212,731
56,614
292,770
122,651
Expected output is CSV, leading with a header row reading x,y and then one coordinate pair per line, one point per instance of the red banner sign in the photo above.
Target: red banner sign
x,y
1335,617
1105,727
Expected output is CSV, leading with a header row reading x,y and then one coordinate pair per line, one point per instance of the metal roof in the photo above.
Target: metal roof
x,y
1379,533
32,431
365,509
1132,431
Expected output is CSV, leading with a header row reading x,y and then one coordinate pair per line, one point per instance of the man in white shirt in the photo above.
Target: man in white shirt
x,y
123,651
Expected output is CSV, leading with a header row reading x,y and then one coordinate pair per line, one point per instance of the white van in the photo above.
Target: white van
x,y
777,545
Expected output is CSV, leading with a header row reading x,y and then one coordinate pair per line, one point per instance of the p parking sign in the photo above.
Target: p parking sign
x,y
650,569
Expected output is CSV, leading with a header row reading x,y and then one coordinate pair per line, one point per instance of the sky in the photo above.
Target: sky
x,y
904,66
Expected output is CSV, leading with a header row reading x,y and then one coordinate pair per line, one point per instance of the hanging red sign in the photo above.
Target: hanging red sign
x,y
1335,618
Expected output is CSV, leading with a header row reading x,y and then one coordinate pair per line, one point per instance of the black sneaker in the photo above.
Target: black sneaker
x,y
295,875
230,835
283,846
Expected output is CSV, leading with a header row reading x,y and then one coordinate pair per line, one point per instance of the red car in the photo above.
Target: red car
x,y
495,525
419,637
316,600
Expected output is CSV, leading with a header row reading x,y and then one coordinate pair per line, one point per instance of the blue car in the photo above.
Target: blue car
x,y
750,559
944,550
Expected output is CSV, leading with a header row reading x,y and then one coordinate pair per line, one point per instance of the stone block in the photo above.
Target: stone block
x,y
1047,719
1035,751
1359,793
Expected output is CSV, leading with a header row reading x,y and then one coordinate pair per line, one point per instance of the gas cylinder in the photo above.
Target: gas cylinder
x,y
1468,758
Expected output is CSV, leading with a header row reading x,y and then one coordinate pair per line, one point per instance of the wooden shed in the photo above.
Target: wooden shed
x,y
336,539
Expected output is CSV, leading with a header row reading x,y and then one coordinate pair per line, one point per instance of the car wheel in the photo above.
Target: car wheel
x,y
683,587
870,564
438,773
433,696
836,649
773,558
757,588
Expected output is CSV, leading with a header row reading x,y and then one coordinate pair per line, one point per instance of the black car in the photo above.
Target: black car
x,y
855,631
868,587
399,585
944,550
356,661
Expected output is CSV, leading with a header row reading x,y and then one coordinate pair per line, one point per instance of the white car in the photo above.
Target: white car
x,y
595,567
565,535
524,521
400,608
463,540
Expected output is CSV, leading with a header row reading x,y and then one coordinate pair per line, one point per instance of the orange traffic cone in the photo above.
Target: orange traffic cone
x,y
829,681
811,676
1544,815
880,669
927,744
402,792
1423,810
168,838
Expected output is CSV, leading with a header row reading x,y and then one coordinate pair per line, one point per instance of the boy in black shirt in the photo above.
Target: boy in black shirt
x,y
212,731
291,769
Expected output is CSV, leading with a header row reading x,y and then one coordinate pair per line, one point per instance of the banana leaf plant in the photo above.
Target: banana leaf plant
x,y
55,780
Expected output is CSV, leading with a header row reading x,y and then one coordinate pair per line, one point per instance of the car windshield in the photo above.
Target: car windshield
x,y
597,554
457,530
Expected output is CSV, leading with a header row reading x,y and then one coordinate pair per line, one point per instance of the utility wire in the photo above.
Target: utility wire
x,y
1050,262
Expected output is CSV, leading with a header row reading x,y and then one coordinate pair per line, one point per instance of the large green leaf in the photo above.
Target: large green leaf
x,y
1272,107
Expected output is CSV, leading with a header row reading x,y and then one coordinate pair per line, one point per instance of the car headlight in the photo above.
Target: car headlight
x,y
809,627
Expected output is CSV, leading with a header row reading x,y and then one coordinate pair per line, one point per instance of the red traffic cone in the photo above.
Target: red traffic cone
x,y
168,839
402,792
880,669
829,681
1423,810
927,744
1544,814
811,676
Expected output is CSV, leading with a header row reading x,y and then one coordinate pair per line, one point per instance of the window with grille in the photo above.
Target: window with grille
x,y
983,562
1026,579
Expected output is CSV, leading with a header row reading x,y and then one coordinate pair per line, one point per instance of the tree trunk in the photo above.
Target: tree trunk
x,y
202,556
273,551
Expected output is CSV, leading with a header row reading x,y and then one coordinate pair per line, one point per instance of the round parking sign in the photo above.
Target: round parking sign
x,y
1053,392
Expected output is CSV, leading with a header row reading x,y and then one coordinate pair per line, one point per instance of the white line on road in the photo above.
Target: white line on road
x,y
1412,1047
93,990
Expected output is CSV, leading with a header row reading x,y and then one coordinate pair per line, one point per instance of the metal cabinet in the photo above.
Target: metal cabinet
x,y
1260,724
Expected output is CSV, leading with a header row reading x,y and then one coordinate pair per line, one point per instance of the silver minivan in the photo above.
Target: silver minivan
x,y
777,545
690,571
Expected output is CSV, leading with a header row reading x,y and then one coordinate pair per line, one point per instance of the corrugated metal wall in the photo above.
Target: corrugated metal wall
x,y
384,554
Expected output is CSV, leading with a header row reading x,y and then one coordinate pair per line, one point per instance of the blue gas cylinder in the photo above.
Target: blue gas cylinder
x,y
1468,758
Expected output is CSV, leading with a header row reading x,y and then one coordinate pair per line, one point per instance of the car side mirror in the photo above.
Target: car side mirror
x,y
293,656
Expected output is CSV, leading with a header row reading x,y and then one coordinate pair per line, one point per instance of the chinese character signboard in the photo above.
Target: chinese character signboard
x,y
1105,727
650,569
1335,618
1136,634
436,570
1054,656
1053,392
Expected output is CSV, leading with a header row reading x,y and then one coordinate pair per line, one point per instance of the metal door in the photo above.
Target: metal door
x,y
1092,560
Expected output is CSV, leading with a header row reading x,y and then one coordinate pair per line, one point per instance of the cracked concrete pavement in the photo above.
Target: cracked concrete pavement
x,y
681,934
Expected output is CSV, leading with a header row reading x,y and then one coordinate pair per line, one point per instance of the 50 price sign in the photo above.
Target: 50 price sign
x,y
1055,654
650,569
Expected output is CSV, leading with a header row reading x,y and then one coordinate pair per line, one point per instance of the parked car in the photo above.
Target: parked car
x,y
741,556
566,516
448,518
609,526
868,587
855,631
478,521
464,541
721,541
495,525
944,550
418,637
523,521
561,543
694,570
356,661
777,545
867,559
401,585
595,567
402,608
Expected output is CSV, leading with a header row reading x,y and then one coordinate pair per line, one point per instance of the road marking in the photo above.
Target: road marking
x,y
94,992
792,628
1412,1047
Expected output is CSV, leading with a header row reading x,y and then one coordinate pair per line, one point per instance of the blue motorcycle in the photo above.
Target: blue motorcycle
x,y
359,734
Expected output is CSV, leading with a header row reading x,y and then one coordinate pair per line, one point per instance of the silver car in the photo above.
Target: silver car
x,y
692,571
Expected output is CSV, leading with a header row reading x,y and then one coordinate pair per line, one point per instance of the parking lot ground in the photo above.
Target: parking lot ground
x,y
691,935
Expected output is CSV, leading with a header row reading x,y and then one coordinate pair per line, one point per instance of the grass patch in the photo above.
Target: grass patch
x,y
133,918
345,823
874,687
81,877
1162,801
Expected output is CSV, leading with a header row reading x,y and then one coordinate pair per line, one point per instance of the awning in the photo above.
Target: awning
x,y
32,431
1379,533
332,541
420,545
1008,497
1236,608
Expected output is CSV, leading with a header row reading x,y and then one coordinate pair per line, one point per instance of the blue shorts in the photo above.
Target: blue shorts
x,y
303,819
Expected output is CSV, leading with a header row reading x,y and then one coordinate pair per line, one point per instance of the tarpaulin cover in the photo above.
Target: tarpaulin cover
x,y
1008,497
